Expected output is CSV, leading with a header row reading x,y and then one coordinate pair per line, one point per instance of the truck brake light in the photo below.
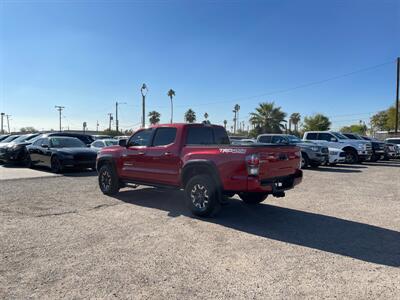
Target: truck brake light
x,y
253,164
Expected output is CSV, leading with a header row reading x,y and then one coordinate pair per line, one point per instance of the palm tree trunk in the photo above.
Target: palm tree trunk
x,y
172,110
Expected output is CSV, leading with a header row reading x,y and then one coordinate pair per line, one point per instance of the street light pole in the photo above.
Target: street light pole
x,y
144,91
2,116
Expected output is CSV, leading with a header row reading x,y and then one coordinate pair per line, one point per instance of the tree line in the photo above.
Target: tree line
x,y
270,118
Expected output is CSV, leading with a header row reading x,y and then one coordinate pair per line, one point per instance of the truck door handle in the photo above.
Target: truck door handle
x,y
140,153
167,153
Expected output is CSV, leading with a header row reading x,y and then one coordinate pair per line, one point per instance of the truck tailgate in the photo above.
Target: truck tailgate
x,y
278,161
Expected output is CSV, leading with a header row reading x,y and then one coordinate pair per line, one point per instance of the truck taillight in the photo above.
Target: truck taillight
x,y
253,164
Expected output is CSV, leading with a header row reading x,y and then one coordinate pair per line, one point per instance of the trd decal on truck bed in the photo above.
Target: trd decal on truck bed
x,y
233,150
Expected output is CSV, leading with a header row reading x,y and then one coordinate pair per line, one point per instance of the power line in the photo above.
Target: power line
x,y
312,83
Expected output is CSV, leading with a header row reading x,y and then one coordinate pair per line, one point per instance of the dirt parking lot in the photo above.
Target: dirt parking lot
x,y
337,235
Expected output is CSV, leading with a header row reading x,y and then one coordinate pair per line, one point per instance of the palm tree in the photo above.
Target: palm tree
x,y
171,94
190,116
236,109
295,119
225,122
154,117
268,118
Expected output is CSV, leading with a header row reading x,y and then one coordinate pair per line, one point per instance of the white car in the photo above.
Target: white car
x,y
99,144
336,156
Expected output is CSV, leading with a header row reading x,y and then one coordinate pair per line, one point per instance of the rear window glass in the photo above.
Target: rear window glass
x,y
325,136
164,136
221,138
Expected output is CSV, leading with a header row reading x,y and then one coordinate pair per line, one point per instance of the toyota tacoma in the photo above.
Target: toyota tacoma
x,y
199,159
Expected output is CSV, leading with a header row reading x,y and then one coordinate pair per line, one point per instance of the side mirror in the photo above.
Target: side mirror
x,y
122,142
44,146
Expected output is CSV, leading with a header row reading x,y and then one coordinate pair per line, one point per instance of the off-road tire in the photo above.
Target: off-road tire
x,y
108,180
202,196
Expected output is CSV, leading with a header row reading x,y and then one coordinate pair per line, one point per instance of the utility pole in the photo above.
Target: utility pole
x,y
111,118
8,123
2,116
97,126
60,109
396,127
116,114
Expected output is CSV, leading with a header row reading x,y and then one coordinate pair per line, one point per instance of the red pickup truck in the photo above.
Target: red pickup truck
x,y
200,159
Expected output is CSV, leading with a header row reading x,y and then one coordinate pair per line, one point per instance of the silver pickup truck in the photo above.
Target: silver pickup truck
x,y
312,154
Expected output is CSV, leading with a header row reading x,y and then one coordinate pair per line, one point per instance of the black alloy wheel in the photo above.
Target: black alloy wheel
x,y
56,166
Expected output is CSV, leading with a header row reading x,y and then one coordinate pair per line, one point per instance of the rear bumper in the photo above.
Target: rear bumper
x,y
274,184
11,156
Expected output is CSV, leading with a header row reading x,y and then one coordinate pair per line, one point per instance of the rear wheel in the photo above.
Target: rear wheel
x,y
351,156
253,198
108,180
56,166
202,196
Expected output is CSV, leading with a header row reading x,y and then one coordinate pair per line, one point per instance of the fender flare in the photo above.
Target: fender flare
x,y
203,163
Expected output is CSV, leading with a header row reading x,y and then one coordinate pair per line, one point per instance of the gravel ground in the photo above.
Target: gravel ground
x,y
337,235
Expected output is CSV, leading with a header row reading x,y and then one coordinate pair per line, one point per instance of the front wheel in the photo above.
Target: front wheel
x,y
202,196
351,156
253,198
108,180
56,166
304,161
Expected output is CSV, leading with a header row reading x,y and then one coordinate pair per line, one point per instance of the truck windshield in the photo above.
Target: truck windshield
x,y
294,139
340,136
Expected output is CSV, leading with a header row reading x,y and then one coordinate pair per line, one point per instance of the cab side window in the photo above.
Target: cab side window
x,y
265,139
312,136
141,138
164,136
325,136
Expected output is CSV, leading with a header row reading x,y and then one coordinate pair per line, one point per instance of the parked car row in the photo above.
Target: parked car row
x,y
330,148
57,150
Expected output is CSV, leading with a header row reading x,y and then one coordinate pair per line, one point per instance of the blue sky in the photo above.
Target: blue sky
x,y
85,55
